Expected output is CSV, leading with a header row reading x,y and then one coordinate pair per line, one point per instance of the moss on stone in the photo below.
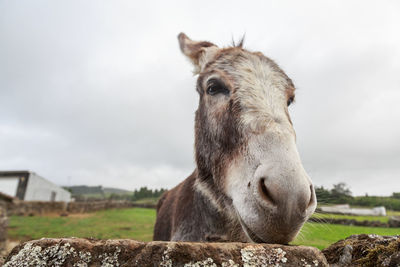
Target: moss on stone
x,y
380,255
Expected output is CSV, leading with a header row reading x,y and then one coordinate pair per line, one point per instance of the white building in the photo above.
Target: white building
x,y
29,186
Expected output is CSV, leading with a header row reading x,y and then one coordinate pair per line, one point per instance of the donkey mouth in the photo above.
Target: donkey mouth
x,y
249,233
257,239
253,236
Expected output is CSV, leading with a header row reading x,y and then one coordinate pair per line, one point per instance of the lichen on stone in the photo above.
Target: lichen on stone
x,y
110,260
31,255
256,255
229,263
205,263
306,264
84,259
166,261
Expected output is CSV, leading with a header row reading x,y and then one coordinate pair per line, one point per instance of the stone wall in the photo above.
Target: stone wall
x,y
89,252
84,207
32,208
366,223
3,225
3,230
393,222
364,250
357,250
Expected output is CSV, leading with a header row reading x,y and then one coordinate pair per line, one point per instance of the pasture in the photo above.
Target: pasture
x,y
137,223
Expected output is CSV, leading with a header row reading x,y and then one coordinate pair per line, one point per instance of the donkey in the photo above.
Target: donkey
x,y
249,184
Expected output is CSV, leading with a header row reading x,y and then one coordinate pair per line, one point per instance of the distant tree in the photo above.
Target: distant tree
x,y
67,188
341,194
115,196
340,189
144,192
396,195
323,195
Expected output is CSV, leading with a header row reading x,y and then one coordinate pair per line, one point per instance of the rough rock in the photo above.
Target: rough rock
x,y
33,208
90,206
365,250
394,221
3,225
366,223
91,252
3,232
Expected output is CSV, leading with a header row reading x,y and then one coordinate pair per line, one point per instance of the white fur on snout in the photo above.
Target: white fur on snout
x,y
261,93
272,155
275,155
277,151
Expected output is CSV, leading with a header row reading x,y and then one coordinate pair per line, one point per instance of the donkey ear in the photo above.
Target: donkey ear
x,y
198,52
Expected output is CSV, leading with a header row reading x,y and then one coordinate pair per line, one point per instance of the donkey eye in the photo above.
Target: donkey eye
x,y
216,87
290,101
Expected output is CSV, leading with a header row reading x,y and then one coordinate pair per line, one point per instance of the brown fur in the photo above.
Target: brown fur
x,y
172,207
198,209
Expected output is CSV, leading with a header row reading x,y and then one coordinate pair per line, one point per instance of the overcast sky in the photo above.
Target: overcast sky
x,y
98,93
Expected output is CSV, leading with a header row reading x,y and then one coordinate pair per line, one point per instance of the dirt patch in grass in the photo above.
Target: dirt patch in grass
x,y
73,215
81,215
125,228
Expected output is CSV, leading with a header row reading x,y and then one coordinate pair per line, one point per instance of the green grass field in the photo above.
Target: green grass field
x,y
321,235
137,223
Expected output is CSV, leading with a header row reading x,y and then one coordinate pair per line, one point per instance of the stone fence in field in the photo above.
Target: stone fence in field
x,y
357,250
3,231
32,208
124,252
393,222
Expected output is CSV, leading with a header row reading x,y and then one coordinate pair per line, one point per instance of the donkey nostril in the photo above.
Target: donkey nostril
x,y
312,199
265,194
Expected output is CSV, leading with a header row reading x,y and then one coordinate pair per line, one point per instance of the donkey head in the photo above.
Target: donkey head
x,y
245,144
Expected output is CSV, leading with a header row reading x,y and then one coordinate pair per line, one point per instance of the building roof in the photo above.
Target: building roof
x,y
15,172
6,197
